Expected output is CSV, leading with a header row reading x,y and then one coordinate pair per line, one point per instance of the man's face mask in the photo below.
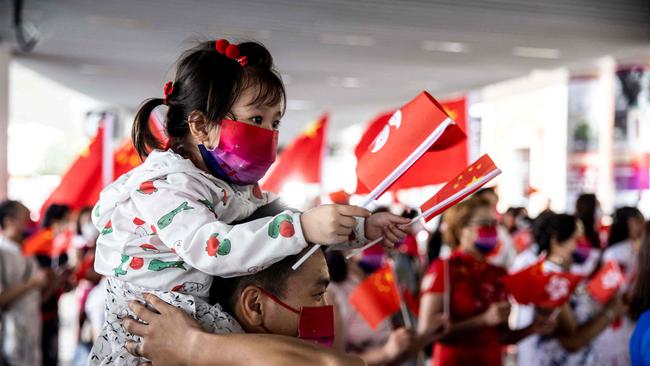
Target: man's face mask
x,y
244,153
316,323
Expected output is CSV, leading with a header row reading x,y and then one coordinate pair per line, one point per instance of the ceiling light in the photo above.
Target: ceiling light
x,y
452,47
535,52
344,82
299,105
347,40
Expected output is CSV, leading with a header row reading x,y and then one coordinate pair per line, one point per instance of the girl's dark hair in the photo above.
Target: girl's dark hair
x,y
586,206
209,82
555,226
459,217
619,231
640,301
55,213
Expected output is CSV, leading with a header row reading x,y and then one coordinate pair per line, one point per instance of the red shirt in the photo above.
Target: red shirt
x,y
475,285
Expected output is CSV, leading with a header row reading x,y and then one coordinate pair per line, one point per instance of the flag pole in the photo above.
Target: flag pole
x,y
446,300
408,323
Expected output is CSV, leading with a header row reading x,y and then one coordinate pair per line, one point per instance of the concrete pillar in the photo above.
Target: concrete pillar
x,y
5,56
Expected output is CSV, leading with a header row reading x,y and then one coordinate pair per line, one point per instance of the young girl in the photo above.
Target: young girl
x,y
170,224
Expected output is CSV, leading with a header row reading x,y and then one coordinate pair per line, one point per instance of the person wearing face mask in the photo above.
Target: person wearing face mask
x,y
623,246
478,306
581,319
174,222
21,284
273,306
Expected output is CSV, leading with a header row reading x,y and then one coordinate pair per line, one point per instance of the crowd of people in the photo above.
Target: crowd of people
x,y
186,261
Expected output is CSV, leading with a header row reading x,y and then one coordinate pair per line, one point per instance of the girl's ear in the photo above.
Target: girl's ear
x,y
201,130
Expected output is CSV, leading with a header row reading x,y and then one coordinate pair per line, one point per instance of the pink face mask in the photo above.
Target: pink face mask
x,y
316,323
244,154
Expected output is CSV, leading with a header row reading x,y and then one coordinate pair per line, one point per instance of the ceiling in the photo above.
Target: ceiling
x,y
352,58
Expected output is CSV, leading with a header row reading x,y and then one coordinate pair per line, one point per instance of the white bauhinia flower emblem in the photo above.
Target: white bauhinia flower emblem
x,y
557,288
611,279
381,139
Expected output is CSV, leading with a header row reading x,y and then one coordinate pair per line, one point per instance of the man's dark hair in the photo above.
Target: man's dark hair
x,y
9,209
273,279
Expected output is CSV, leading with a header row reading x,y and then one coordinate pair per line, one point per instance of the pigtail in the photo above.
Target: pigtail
x,y
143,138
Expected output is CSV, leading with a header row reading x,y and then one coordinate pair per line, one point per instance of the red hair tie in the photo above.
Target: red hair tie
x,y
230,50
169,88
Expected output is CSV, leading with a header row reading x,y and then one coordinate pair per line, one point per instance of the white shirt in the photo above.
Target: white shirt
x,y
21,322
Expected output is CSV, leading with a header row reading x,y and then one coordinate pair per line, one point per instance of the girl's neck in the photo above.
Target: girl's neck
x,y
565,264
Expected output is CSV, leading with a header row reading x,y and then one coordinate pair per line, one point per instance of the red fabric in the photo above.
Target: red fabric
x,y
532,285
81,184
377,297
341,197
301,160
41,243
391,139
409,246
606,282
475,285
466,179
522,239
412,301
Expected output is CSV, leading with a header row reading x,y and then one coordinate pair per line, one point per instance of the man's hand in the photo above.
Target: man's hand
x,y
167,335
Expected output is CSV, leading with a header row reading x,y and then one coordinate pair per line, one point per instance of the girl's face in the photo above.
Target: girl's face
x,y
635,227
483,216
565,249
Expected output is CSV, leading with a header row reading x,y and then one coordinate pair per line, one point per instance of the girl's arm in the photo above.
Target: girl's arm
x,y
431,315
585,333
171,337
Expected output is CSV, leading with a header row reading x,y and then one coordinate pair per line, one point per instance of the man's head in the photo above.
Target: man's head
x,y
14,219
257,312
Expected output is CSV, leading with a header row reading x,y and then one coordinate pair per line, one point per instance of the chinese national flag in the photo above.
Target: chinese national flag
x,y
419,128
81,184
301,160
532,285
377,297
467,182
606,282
41,243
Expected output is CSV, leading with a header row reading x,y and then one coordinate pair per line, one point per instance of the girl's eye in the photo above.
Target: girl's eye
x,y
319,297
257,120
276,125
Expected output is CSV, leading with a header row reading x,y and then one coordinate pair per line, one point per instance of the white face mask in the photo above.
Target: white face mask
x,y
89,231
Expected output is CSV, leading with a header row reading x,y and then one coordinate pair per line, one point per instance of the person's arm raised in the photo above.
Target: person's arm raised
x,y
171,337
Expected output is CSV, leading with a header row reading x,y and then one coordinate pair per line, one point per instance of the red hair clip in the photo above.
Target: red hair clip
x,y
230,50
167,90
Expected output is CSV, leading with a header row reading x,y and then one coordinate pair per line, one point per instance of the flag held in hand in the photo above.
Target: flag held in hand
x,y
421,125
604,285
377,297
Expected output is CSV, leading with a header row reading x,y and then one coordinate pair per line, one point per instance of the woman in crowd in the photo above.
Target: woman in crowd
x,y
623,248
581,319
640,307
379,346
477,300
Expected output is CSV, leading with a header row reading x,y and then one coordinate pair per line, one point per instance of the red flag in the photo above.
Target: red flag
x,y
412,301
377,297
532,285
467,182
81,184
341,197
606,282
40,243
301,160
417,129
427,170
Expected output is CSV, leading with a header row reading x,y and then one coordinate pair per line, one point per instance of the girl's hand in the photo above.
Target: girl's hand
x,y
496,314
398,345
330,224
167,336
392,227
